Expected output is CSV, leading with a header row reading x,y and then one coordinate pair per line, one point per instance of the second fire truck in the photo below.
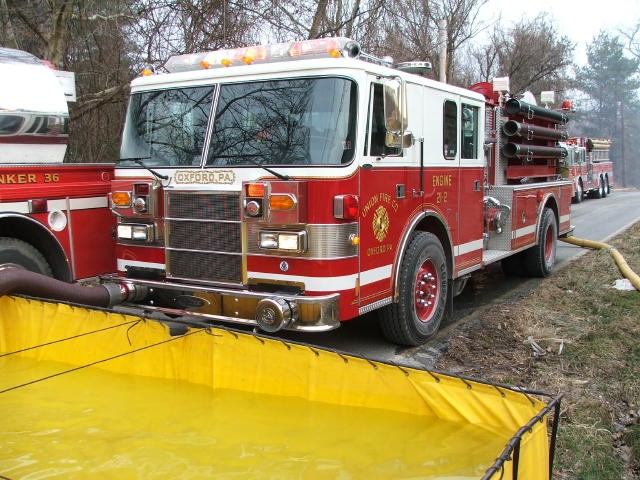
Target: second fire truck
x,y
297,186
589,167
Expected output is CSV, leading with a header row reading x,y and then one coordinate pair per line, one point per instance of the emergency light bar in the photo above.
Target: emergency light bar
x,y
334,47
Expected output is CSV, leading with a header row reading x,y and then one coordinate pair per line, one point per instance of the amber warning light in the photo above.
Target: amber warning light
x,y
316,48
255,189
121,199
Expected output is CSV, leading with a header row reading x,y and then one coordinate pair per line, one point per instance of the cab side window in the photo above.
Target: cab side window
x,y
469,131
450,130
378,130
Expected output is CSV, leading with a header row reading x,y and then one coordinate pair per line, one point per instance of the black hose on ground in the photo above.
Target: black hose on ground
x,y
19,281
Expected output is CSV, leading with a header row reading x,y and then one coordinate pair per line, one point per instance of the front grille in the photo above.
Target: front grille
x,y
203,238
210,236
210,267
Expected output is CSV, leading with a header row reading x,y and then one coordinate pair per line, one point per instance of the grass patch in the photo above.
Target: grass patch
x,y
632,439
591,335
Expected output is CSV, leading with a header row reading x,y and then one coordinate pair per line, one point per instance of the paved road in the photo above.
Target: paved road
x,y
593,219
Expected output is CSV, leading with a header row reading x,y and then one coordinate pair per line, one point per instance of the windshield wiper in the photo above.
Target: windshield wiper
x,y
138,160
279,175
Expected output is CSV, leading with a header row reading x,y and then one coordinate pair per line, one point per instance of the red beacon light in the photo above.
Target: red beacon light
x,y
345,207
567,105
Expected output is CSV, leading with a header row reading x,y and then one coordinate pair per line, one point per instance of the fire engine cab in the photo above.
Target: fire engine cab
x,y
296,186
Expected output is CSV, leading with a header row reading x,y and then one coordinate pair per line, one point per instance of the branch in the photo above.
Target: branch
x,y
91,101
26,21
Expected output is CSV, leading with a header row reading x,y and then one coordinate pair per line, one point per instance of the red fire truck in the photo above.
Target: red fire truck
x,y
297,186
54,217
589,167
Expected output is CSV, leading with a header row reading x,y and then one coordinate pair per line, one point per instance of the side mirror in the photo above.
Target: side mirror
x,y
395,109
399,139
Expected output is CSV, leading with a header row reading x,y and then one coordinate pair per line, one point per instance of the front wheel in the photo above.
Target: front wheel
x,y
18,253
422,288
538,261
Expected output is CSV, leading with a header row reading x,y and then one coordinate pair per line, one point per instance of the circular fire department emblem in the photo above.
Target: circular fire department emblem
x,y
380,223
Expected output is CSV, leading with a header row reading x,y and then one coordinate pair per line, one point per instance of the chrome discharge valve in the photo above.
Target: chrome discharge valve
x,y
275,313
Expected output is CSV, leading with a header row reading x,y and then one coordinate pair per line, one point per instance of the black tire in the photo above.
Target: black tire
x,y
423,284
597,192
579,195
18,253
607,185
538,261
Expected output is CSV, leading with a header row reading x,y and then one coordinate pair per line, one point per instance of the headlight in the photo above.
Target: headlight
x,y
141,232
285,241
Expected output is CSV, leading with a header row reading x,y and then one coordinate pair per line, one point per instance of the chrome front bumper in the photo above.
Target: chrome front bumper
x,y
269,311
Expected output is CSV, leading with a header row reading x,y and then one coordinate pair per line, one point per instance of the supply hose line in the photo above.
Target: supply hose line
x,y
622,264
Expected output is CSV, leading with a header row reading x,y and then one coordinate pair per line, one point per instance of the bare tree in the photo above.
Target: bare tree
x,y
531,53
462,24
411,31
6,28
294,20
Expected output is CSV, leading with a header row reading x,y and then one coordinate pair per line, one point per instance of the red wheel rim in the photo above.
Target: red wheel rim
x,y
427,290
548,245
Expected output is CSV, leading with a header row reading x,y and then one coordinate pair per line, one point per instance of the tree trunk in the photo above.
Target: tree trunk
x,y
7,28
318,18
60,16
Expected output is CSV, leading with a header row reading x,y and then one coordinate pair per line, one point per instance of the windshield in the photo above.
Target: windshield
x,y
166,127
285,122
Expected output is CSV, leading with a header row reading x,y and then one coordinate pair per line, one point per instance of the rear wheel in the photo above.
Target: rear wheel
x,y
18,253
603,187
579,195
597,192
538,261
422,293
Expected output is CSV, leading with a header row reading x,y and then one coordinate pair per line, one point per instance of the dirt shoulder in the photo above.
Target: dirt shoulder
x,y
575,334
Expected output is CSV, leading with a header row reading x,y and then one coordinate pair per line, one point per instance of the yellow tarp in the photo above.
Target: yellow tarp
x,y
93,394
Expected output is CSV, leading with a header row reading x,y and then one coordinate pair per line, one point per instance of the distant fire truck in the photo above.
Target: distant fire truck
x,y
296,186
589,167
54,217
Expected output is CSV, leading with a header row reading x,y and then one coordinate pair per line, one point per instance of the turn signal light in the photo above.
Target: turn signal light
x,y
121,199
255,189
282,202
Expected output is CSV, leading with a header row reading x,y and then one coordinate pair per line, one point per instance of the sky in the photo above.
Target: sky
x,y
580,20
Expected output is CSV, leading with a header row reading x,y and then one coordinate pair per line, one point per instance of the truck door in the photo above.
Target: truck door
x,y
468,249
388,192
